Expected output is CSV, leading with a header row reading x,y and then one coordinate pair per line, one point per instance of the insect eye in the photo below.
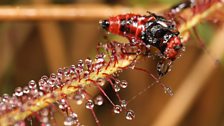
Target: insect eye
x,y
105,24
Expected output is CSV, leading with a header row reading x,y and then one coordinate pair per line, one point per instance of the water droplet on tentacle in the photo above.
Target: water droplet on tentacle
x,y
79,96
89,104
123,103
116,88
98,100
117,109
32,84
62,104
18,92
101,81
130,115
26,90
123,84
68,121
168,90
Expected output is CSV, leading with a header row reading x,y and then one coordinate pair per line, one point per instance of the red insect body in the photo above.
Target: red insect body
x,y
148,29
136,26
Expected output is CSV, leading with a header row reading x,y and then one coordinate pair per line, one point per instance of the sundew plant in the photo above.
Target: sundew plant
x,y
175,50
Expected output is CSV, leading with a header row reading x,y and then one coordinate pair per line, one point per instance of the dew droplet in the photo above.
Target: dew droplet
x,y
130,115
132,65
80,64
5,98
44,77
117,109
98,100
26,90
72,69
32,84
168,90
101,81
44,119
116,88
86,74
117,81
74,116
123,103
68,121
139,51
66,71
89,104
18,91
78,97
44,112
123,84
88,63
63,105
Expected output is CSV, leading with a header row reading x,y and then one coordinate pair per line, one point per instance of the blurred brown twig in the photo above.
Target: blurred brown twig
x,y
67,12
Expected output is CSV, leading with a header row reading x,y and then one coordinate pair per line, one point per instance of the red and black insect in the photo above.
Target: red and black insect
x,y
152,30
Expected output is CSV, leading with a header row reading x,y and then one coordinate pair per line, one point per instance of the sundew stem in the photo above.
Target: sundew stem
x,y
193,21
48,99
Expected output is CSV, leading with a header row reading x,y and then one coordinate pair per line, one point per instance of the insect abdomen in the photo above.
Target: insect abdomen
x,y
128,25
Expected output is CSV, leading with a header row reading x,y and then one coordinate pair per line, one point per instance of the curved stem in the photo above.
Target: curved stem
x,y
44,101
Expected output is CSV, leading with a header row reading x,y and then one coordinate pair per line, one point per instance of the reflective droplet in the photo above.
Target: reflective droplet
x,y
18,91
116,74
66,71
44,119
123,103
132,65
88,63
89,104
74,116
78,97
43,85
72,69
139,51
68,121
123,84
117,109
26,90
130,115
44,77
98,100
86,74
117,81
116,88
32,84
44,112
168,90
5,98
80,64
101,81
63,105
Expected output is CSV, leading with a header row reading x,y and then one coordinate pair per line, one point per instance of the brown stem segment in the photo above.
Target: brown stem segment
x,y
67,12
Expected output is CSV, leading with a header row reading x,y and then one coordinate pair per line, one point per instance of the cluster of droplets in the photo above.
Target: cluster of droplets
x,y
71,119
62,77
130,115
66,76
